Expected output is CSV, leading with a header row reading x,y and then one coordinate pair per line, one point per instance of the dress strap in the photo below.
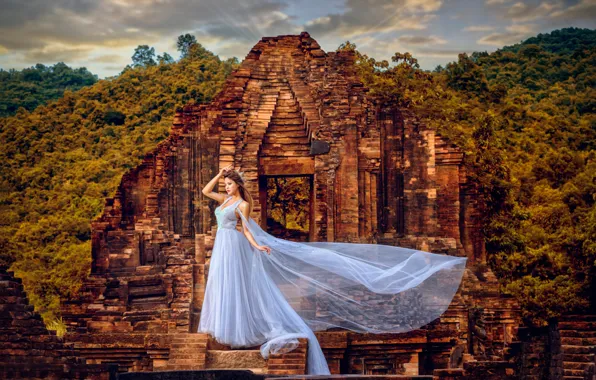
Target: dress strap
x,y
224,202
235,205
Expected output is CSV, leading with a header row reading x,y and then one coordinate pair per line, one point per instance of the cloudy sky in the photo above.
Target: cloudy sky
x,y
102,34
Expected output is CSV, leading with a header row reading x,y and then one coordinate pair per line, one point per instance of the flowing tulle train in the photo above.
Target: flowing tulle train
x,y
252,298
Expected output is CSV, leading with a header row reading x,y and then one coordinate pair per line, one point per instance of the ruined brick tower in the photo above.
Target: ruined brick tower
x,y
376,174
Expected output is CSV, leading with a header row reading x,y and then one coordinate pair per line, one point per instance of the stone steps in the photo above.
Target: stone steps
x,y
579,365
284,130
578,345
280,116
187,352
286,108
279,151
288,102
578,341
286,135
577,334
568,349
578,317
573,373
578,326
285,141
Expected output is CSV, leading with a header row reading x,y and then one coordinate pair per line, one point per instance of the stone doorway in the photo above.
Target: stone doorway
x,y
287,209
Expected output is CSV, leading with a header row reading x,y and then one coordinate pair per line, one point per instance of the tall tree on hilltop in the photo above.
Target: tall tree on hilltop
x,y
190,49
184,43
144,56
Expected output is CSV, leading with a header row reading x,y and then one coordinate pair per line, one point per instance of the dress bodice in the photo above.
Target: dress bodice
x,y
227,218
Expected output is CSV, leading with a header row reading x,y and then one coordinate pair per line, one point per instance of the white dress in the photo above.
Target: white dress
x,y
252,298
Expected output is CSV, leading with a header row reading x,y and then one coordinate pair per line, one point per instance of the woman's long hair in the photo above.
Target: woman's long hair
x,y
244,193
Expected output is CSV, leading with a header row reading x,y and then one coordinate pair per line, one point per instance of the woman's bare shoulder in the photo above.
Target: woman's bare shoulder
x,y
242,206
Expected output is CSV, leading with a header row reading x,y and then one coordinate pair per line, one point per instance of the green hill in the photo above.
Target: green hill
x,y
34,86
546,253
59,162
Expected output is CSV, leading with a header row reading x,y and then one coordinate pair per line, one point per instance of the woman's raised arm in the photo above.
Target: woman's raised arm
x,y
208,189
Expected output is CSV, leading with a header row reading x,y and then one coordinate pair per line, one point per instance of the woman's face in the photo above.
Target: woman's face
x,y
231,186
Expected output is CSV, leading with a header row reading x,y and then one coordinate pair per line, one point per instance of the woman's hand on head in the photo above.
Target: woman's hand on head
x,y
226,169
264,248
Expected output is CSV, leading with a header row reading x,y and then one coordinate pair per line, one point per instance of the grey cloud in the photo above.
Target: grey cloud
x,y
236,49
539,10
368,16
108,58
282,27
420,40
188,14
113,67
446,53
584,10
478,28
41,27
521,11
500,39
56,55
17,12
497,2
248,31
513,35
16,41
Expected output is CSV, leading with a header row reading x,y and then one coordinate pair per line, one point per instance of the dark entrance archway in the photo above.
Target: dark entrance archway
x,y
287,209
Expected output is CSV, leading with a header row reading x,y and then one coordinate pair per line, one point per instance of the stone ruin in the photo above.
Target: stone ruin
x,y
377,174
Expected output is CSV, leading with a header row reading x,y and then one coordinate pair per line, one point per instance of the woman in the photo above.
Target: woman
x,y
262,290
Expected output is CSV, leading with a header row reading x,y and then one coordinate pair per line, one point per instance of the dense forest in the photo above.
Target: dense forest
x,y
37,85
60,161
524,115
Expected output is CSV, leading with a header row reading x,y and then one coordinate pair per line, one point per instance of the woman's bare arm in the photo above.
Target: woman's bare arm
x,y
244,210
208,189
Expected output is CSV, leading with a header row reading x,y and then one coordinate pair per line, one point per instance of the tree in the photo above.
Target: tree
x,y
165,59
198,52
466,75
184,43
476,56
407,60
143,56
346,46
531,51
